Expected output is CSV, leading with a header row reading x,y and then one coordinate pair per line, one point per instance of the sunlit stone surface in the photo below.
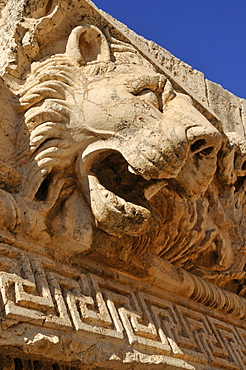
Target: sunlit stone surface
x,y
122,196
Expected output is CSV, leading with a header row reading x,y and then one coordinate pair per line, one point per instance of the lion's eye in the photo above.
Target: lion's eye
x,y
149,97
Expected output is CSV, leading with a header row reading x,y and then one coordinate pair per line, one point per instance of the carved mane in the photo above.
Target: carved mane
x,y
47,111
43,99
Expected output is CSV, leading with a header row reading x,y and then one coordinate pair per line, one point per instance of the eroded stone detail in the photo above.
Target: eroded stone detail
x,y
107,157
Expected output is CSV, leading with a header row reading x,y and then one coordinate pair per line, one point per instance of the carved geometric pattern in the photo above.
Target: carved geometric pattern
x,y
8,363
34,290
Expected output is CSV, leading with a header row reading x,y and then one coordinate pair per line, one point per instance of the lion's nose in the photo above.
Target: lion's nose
x,y
203,140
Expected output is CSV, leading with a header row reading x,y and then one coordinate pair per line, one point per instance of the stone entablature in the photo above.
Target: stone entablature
x,y
122,176
56,307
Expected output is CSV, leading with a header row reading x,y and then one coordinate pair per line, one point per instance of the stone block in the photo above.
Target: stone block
x,y
227,106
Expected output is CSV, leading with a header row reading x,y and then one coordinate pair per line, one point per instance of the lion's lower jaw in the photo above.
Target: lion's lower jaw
x,y
115,215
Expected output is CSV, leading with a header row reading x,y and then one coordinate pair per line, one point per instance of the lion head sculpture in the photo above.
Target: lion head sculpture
x,y
115,163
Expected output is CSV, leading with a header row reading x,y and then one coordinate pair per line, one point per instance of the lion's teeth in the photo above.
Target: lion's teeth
x,y
154,188
130,169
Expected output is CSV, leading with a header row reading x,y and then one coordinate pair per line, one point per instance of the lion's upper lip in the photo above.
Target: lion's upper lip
x,y
113,173
116,174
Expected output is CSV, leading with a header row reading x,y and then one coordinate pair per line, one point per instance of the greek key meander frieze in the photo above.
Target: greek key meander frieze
x,y
34,291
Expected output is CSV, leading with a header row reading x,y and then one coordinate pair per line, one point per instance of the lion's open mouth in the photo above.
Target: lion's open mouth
x,y
118,197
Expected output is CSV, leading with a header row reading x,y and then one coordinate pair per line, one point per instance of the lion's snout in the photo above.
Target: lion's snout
x,y
183,139
157,155
162,154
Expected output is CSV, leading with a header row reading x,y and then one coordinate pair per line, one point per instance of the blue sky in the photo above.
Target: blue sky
x,y
209,35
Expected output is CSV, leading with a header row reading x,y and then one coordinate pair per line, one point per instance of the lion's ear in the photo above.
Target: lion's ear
x,y
87,44
168,93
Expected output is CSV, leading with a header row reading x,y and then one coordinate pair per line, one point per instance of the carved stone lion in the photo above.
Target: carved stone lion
x,y
116,164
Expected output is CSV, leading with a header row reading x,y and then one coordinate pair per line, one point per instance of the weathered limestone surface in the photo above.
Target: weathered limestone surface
x,y
122,198
227,106
185,74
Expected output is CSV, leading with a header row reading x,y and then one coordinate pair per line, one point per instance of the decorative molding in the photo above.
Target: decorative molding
x,y
33,291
